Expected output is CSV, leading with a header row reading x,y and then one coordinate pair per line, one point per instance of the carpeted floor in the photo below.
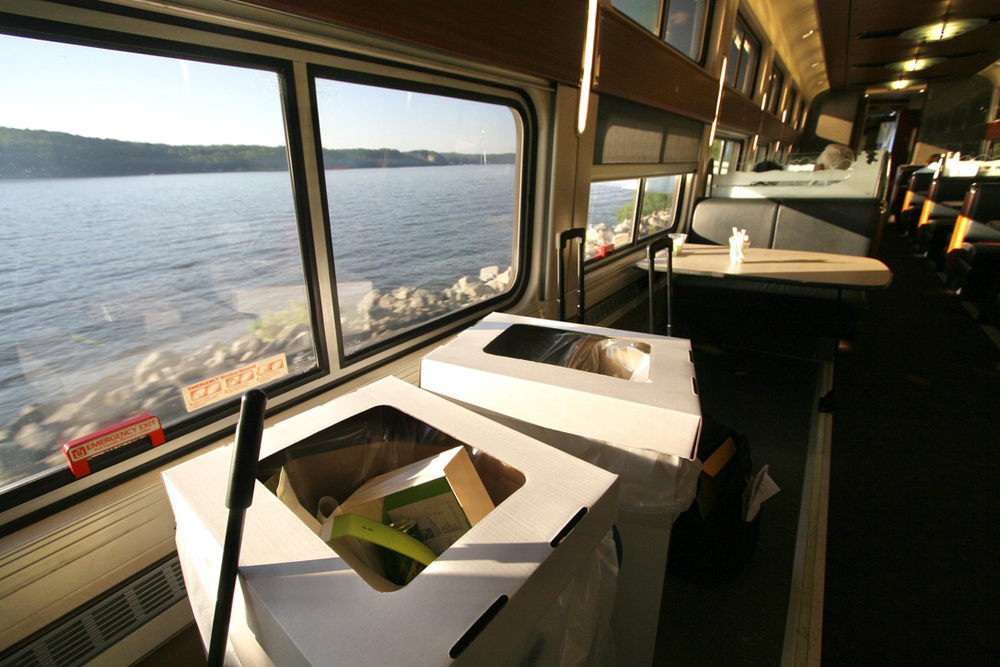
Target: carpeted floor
x,y
913,550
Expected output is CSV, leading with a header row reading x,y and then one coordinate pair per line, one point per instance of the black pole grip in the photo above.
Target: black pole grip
x,y
247,450
564,239
242,475
651,250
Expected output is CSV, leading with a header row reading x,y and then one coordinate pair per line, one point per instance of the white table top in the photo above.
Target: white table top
x,y
796,267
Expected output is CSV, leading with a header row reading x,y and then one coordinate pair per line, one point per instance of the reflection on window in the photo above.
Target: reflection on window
x,y
610,216
685,26
744,54
612,222
725,156
150,256
775,89
644,12
683,21
421,195
657,205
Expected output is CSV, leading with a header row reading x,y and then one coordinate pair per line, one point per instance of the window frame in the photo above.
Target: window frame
x,y
742,34
520,248
605,174
49,492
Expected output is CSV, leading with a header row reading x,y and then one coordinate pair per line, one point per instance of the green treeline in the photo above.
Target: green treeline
x,y
43,154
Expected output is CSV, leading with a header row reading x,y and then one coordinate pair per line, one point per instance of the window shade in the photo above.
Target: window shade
x,y
630,133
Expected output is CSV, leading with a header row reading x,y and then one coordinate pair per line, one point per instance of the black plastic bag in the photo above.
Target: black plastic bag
x,y
711,541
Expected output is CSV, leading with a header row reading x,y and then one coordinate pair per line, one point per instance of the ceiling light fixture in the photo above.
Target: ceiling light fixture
x,y
899,84
942,30
915,64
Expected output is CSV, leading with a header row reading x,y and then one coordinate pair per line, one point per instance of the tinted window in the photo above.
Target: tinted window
x,y
150,258
421,191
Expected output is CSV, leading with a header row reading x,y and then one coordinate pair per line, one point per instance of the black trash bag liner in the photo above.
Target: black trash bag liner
x,y
711,541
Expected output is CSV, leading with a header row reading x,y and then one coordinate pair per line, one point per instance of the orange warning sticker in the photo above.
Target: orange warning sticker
x,y
79,452
233,383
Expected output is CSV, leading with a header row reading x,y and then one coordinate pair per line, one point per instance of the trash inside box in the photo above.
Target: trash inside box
x,y
620,387
302,603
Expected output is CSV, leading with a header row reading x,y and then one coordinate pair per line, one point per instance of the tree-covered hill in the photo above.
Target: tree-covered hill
x,y
43,154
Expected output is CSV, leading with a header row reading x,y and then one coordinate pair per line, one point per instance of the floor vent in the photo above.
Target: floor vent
x,y
622,298
88,634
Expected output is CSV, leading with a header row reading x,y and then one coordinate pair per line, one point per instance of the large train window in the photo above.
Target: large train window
x,y
422,198
744,56
622,212
679,23
150,264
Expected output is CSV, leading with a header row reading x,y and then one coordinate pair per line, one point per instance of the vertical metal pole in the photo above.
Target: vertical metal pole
x,y
651,251
243,473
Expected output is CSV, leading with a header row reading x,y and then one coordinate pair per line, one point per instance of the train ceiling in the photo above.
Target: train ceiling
x,y
869,43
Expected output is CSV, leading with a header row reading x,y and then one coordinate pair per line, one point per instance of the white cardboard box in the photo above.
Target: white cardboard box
x,y
661,412
300,602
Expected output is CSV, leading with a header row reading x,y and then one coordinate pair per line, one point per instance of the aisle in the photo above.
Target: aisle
x,y
914,508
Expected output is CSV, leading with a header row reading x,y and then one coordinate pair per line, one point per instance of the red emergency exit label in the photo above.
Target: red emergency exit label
x,y
79,452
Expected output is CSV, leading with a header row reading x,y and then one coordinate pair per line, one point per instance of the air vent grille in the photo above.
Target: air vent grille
x,y
607,307
88,634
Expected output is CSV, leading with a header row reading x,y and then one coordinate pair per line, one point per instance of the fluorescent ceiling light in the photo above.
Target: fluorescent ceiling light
x,y
915,64
942,30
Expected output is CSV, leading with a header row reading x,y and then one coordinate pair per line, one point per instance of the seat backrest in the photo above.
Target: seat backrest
x,y
921,181
949,188
984,202
842,226
714,218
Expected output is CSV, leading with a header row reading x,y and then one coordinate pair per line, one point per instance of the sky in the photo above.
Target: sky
x,y
131,97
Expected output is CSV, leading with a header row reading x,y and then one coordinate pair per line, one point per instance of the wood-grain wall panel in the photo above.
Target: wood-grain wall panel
x,y
543,38
738,113
771,127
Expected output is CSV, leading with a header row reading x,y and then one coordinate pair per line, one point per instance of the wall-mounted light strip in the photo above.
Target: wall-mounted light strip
x,y
718,101
589,53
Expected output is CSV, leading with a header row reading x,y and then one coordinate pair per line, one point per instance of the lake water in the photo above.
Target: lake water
x,y
96,272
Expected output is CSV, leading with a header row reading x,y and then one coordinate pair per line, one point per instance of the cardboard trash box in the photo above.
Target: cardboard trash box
x,y
622,400
299,602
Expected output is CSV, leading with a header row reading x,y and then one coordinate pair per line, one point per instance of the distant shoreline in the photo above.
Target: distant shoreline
x,y
33,154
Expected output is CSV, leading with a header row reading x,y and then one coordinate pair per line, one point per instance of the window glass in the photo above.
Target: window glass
x,y
421,196
744,55
644,12
735,49
149,252
726,155
775,89
685,26
610,216
658,196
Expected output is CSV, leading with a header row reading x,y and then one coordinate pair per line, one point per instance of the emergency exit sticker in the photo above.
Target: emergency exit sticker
x,y
79,452
234,382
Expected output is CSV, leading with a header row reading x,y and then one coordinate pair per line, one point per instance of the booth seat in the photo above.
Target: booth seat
x,y
842,226
833,225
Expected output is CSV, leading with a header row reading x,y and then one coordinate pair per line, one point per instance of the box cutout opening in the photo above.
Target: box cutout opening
x,y
348,456
614,357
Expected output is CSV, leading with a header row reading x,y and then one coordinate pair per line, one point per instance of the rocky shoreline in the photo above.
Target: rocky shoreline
x,y
31,442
